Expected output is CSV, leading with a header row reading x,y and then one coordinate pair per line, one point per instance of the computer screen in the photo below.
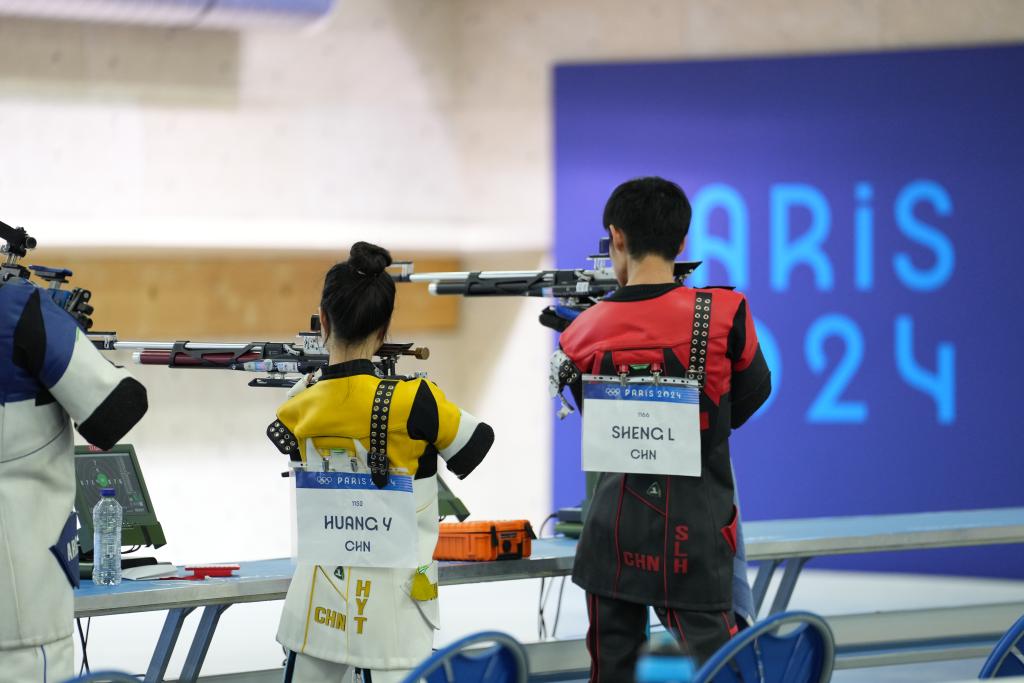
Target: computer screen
x,y
98,470
117,468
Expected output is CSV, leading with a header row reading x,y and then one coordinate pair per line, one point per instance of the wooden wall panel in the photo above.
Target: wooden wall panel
x,y
209,295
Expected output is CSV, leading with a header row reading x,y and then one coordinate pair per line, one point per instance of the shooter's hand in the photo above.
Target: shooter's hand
x,y
304,383
80,309
558,317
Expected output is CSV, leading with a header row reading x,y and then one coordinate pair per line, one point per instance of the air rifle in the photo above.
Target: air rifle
x,y
574,289
17,243
277,360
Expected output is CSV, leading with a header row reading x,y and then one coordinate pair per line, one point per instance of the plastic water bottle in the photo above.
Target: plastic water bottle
x,y
663,661
106,540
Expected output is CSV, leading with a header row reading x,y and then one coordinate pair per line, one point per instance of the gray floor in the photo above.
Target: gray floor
x,y
245,639
918,673
911,673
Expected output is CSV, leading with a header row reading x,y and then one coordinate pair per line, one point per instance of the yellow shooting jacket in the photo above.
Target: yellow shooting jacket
x,y
373,617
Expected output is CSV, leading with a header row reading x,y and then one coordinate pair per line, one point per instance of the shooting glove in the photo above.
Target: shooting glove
x,y
304,383
558,317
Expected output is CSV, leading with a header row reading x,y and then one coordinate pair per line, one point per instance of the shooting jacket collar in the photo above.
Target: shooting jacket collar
x,y
642,292
359,366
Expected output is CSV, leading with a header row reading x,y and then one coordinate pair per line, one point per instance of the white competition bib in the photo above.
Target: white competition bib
x,y
343,519
641,426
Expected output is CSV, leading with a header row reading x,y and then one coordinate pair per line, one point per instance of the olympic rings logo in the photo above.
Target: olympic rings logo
x,y
324,479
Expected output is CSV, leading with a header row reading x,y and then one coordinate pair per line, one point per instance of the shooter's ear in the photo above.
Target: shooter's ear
x,y
325,325
618,238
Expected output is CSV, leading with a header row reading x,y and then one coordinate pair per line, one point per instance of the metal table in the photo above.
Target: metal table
x,y
787,544
264,580
793,542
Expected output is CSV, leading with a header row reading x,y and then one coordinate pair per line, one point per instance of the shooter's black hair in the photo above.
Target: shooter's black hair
x,y
359,295
653,213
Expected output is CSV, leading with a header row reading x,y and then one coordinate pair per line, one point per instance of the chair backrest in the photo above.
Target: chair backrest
x,y
1006,659
804,654
465,661
106,677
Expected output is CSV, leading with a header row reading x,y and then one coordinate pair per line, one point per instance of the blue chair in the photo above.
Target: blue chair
x,y
803,655
465,662
1006,658
106,677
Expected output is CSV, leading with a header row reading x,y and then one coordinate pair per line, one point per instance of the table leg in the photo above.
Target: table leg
x,y
765,571
201,642
165,644
793,568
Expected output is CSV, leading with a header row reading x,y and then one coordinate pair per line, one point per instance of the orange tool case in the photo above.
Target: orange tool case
x,y
497,540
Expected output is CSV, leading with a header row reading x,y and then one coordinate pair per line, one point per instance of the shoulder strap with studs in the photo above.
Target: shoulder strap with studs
x,y
377,458
699,343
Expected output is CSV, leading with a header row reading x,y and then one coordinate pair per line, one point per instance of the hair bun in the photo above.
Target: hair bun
x,y
369,259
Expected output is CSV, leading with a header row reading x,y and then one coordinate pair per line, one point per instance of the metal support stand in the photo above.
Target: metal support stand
x,y
201,643
765,572
793,568
165,645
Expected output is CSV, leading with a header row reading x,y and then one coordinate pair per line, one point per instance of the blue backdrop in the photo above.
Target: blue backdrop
x,y
871,208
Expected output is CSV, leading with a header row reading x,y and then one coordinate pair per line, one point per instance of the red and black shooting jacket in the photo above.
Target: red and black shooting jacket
x,y
655,539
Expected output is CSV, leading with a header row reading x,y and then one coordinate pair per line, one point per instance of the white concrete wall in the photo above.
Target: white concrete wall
x,y
156,136
417,123
425,122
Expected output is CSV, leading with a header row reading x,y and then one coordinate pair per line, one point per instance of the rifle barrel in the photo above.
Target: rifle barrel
x,y
486,289
158,357
482,275
527,281
169,346
275,358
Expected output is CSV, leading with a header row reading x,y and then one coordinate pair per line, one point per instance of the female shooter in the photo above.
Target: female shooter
x,y
373,604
